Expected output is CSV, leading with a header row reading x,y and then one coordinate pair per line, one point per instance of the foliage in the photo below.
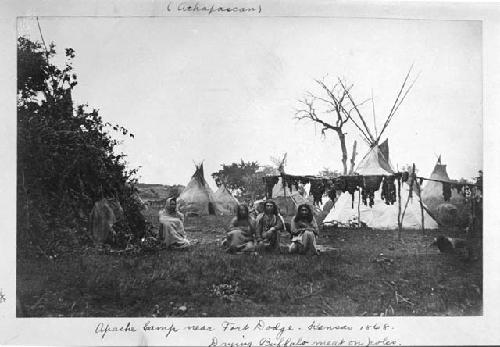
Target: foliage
x,y
243,178
232,175
66,159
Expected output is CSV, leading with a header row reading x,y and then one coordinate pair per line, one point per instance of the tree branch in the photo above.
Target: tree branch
x,y
370,136
310,113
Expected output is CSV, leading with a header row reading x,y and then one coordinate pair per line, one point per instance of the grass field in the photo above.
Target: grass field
x,y
202,281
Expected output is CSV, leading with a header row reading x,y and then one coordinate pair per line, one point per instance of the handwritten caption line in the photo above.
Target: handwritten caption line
x,y
211,8
275,333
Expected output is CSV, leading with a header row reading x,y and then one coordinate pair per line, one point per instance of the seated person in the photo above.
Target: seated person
x,y
268,227
172,232
304,230
240,237
258,208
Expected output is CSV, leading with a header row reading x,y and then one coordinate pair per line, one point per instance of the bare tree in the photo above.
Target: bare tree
x,y
334,100
338,100
353,157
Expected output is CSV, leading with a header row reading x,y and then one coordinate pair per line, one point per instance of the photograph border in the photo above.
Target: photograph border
x,y
476,330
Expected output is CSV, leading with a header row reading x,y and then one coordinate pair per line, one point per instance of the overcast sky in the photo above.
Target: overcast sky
x,y
221,89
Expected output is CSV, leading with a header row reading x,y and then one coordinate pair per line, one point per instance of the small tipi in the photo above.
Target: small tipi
x,y
447,212
432,192
198,198
226,202
288,199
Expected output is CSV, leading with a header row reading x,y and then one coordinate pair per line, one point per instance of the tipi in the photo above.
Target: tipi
x,y
198,198
288,199
376,163
447,212
226,202
380,215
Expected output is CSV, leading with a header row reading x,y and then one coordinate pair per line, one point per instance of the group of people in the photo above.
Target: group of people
x,y
249,232
262,231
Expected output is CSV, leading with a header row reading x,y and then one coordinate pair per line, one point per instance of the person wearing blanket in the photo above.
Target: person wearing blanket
x,y
304,230
268,225
172,232
240,237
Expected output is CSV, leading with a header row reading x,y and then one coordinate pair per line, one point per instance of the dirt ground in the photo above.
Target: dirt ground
x,y
359,273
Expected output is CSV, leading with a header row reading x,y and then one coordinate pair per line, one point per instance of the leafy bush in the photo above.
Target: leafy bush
x,y
66,158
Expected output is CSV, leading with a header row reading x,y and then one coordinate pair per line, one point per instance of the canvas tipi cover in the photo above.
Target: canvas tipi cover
x,y
287,199
432,192
375,162
451,212
226,202
380,215
198,198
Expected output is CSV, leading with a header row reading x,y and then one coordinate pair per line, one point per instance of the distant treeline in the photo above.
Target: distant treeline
x,y
148,185
150,191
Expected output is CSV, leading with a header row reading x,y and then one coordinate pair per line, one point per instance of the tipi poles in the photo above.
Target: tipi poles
x,y
410,193
473,211
421,203
399,209
359,213
284,192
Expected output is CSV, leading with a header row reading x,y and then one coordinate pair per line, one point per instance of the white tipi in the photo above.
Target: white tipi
x,y
380,215
376,163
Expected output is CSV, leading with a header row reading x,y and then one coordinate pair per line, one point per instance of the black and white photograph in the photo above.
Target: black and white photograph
x,y
211,161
